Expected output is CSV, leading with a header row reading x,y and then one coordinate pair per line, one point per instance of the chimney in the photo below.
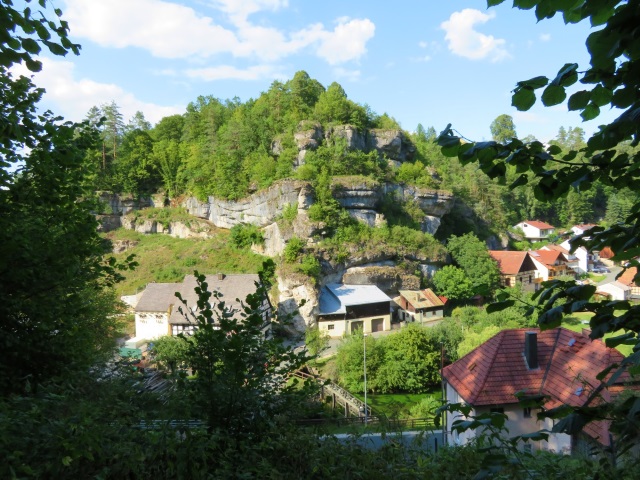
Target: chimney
x,y
531,349
220,276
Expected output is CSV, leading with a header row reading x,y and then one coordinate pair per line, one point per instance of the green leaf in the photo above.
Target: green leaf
x,y
553,95
623,97
33,65
601,96
523,99
551,318
567,75
55,48
579,100
521,180
525,4
535,82
590,112
493,3
30,45
499,306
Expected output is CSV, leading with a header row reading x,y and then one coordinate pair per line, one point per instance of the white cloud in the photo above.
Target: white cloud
x,y
463,40
423,44
349,75
227,72
545,37
170,30
166,30
348,41
72,98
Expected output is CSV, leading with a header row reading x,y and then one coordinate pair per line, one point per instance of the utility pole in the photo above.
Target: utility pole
x,y
364,342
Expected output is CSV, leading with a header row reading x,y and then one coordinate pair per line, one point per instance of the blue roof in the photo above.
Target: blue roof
x,y
335,297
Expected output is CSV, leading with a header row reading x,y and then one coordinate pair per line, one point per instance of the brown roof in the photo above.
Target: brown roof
x,y
606,252
158,297
585,226
509,262
627,277
555,248
568,361
548,257
234,290
421,298
538,224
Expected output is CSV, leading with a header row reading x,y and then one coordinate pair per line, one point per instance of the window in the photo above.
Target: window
x,y
330,326
526,412
530,279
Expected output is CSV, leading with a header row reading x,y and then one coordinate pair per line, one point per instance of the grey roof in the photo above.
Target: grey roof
x,y
335,297
158,297
234,289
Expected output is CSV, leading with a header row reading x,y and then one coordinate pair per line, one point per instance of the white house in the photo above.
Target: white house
x,y
422,306
615,290
584,260
347,308
559,365
580,229
158,311
535,230
551,264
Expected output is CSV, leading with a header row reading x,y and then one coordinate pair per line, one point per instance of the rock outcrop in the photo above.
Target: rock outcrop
x,y
391,143
180,229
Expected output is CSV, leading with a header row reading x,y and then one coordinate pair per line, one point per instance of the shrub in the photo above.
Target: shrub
x,y
245,235
292,249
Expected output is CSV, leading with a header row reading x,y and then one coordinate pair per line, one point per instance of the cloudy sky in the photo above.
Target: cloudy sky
x,y
421,61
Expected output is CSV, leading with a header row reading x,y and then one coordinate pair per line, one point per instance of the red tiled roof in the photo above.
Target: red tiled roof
x,y
492,373
538,224
509,262
606,252
547,257
585,226
556,248
627,277
495,371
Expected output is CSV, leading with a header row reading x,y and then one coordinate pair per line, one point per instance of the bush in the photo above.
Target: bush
x,y
293,249
245,235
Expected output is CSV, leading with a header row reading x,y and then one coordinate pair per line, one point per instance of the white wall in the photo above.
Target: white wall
x,y
343,327
151,325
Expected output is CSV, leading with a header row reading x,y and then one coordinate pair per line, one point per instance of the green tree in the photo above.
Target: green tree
x,y
171,352
55,317
240,383
472,256
452,282
503,129
608,82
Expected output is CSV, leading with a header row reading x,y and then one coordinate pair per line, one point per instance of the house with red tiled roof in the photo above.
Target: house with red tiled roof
x,y
516,267
421,306
551,264
627,278
559,364
580,229
535,230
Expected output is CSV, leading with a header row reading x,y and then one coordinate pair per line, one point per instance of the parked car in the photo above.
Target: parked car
x,y
600,270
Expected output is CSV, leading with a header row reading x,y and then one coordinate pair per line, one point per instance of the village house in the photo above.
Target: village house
x,y
627,279
551,264
614,290
535,230
581,229
344,309
516,268
559,364
581,260
158,311
422,306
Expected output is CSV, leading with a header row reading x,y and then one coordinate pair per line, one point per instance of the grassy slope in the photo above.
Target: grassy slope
x,y
163,258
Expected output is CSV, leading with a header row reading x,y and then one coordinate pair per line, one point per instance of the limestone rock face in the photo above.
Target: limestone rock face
x,y
120,246
389,279
292,293
308,136
391,143
123,204
433,202
194,229
355,139
360,196
107,223
259,209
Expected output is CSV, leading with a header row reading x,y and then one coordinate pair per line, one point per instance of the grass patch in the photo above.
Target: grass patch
x,y
576,322
396,405
596,277
163,258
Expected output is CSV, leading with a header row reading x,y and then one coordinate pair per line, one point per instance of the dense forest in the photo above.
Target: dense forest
x,y
228,149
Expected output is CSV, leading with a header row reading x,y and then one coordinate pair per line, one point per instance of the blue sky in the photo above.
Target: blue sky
x,y
429,62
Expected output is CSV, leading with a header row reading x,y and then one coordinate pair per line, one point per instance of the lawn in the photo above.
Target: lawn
x,y
396,405
579,320
163,258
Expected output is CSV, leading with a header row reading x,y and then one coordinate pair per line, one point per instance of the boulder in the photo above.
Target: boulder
x,y
355,140
391,143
